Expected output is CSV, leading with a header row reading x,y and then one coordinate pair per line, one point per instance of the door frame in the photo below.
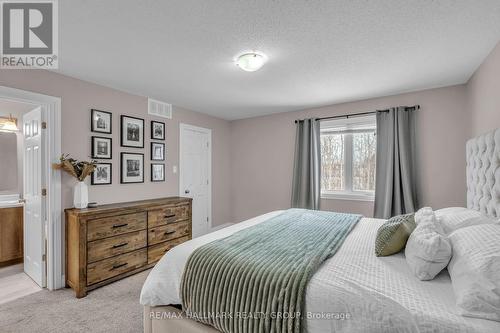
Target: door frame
x,y
182,127
51,115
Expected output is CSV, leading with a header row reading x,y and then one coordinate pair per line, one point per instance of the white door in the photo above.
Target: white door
x,y
195,174
34,221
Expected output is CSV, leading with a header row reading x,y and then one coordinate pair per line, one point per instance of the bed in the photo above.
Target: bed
x,y
362,291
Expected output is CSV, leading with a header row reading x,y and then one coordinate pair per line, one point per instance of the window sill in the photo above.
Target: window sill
x,y
348,196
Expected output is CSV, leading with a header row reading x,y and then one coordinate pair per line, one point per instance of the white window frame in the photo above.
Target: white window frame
x,y
354,124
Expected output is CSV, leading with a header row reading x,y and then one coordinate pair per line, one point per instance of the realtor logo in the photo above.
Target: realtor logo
x,y
29,34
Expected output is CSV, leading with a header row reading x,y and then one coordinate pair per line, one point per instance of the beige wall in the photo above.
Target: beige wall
x,y
484,95
263,147
78,97
253,158
8,163
16,110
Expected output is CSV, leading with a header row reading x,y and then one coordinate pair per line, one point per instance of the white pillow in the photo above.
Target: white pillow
x,y
426,215
475,270
427,250
454,218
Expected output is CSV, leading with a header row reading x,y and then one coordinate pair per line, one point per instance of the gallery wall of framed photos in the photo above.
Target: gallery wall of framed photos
x,y
132,138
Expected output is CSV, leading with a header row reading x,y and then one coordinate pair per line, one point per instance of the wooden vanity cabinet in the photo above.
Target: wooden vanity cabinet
x,y
11,236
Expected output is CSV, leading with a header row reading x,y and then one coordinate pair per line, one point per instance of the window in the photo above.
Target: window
x,y
348,152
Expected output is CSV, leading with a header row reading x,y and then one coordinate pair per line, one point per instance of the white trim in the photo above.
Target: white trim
x,y
51,114
183,126
221,226
354,196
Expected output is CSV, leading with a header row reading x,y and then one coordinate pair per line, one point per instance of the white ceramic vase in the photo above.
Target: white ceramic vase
x,y
80,195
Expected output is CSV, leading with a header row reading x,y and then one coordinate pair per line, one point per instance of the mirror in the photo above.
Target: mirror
x,y
10,163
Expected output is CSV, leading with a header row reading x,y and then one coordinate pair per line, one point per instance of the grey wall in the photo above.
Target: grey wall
x,y
8,163
78,97
484,95
252,158
11,151
263,147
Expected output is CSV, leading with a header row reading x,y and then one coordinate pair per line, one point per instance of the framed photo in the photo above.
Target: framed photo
x,y
132,168
157,130
100,121
157,151
132,132
102,174
157,172
102,148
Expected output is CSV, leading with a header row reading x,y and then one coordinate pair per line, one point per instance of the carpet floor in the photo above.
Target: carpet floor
x,y
113,308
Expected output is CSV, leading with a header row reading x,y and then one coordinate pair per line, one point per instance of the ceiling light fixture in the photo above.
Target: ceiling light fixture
x,y
251,61
8,124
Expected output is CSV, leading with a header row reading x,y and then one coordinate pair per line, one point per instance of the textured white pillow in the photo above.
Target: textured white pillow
x,y
454,218
427,250
426,215
475,270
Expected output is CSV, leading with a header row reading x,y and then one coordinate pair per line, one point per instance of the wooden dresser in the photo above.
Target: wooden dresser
x,y
110,242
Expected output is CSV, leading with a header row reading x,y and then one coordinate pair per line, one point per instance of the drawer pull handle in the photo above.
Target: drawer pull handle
x,y
169,216
119,225
169,232
118,266
119,245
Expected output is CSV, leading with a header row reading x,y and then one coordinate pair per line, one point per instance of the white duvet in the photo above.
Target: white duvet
x,y
364,293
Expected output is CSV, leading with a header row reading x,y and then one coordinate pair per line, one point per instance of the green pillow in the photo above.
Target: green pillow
x,y
393,234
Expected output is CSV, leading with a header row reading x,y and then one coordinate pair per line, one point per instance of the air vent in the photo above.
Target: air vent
x,y
160,109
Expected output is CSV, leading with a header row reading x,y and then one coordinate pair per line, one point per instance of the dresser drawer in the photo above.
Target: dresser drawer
x,y
167,215
157,251
115,225
166,232
112,246
105,269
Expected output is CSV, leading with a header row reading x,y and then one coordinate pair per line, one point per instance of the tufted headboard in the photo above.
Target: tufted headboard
x,y
483,173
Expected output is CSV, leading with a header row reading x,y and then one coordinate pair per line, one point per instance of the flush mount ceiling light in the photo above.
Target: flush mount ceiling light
x,y
251,61
8,124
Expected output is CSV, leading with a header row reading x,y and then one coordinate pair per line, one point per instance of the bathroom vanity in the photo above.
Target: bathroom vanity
x,y
11,233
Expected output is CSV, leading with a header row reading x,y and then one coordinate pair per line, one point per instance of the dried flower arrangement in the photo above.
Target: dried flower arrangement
x,y
78,169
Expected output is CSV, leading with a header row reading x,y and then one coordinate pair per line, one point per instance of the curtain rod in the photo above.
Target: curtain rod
x,y
416,107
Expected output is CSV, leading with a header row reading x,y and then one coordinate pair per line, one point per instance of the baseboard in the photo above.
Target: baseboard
x,y
222,226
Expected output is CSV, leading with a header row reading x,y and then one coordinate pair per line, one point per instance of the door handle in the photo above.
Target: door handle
x,y
169,232
118,266
186,191
119,245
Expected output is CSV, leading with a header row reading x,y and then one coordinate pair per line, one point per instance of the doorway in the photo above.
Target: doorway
x,y
40,196
195,174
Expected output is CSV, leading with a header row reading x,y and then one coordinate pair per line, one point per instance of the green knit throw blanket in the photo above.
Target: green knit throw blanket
x,y
255,280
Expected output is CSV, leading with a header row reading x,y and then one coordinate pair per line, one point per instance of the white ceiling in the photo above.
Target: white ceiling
x,y
16,109
320,51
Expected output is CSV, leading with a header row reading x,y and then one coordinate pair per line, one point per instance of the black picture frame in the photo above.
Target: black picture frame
x,y
153,135
153,179
153,144
93,180
93,147
122,178
93,124
124,141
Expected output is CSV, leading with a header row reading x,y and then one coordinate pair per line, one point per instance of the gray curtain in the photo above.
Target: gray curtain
x,y
306,186
396,178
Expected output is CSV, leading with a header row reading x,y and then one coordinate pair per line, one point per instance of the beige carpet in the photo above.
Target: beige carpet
x,y
113,308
